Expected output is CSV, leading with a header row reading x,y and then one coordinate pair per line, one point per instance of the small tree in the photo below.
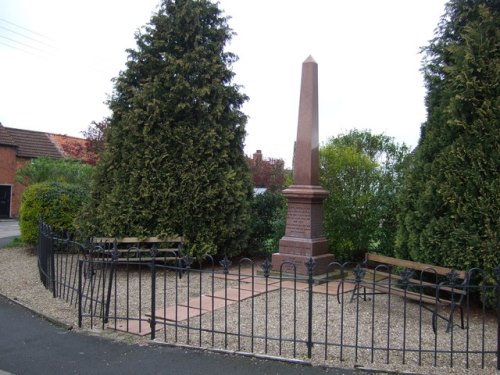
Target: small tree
x,y
174,160
361,172
267,173
95,137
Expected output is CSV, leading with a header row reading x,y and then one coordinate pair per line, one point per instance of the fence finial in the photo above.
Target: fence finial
x,y
266,267
225,263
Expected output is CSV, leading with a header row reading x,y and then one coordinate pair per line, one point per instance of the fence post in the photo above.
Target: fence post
x,y
152,322
52,262
497,274
114,258
80,263
42,254
310,266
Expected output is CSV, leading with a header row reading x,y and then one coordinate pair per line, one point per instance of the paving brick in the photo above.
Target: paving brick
x,y
261,288
260,280
234,294
229,277
206,303
177,313
135,327
288,284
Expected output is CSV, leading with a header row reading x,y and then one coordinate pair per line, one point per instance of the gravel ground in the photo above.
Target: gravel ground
x,y
277,314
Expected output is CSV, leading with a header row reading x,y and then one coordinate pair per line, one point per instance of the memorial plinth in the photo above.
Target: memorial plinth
x,y
304,237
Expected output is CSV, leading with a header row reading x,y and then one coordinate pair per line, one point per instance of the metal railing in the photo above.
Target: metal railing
x,y
247,307
58,257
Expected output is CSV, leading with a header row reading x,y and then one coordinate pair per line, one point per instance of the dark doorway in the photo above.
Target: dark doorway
x,y
5,201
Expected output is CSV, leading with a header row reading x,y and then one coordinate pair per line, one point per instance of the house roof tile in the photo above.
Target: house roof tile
x,y
31,144
5,138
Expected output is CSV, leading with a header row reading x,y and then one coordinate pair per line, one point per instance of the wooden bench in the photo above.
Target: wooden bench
x,y
135,249
426,284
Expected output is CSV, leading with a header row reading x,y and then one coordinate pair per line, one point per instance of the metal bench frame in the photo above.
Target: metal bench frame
x,y
450,292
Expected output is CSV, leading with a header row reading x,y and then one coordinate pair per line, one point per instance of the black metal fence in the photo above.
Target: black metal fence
x,y
58,258
246,307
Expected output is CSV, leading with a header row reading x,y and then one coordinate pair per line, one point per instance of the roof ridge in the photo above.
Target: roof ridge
x,y
56,144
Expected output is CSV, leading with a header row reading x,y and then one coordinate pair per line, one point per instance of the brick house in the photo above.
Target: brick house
x,y
19,146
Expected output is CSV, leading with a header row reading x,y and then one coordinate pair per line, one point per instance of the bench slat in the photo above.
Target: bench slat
x,y
408,294
413,265
133,240
135,250
416,282
144,259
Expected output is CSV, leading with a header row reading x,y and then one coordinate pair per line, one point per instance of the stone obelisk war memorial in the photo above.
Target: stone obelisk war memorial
x,y
304,237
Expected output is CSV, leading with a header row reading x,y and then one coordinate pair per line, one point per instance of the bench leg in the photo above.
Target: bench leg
x,y
434,320
436,315
449,326
450,321
356,293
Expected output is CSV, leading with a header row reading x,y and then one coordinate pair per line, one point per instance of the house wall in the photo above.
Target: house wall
x,y
9,164
7,171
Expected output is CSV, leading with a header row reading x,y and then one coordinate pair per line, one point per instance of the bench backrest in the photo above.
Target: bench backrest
x,y
413,265
134,240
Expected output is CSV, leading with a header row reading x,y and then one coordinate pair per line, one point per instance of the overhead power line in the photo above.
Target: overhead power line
x,y
26,36
24,28
19,49
34,44
23,44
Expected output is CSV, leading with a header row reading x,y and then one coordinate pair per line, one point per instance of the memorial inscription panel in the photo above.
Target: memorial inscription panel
x,y
298,221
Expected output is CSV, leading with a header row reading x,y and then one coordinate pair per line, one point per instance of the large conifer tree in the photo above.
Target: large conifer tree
x,y
174,160
451,200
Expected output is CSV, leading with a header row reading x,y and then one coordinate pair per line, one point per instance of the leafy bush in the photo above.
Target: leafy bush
x,y
56,203
61,170
361,172
268,222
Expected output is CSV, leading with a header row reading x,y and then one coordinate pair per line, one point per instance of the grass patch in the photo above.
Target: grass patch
x,y
16,242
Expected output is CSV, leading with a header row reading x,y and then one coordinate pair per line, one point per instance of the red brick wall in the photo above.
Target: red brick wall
x,y
7,173
9,163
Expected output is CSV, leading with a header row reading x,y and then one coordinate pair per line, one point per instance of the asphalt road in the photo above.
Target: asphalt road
x,y
9,229
31,345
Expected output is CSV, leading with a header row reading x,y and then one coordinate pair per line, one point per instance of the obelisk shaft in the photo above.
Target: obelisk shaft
x,y
304,237
306,159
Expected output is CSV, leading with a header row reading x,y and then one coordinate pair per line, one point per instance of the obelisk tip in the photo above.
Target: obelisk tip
x,y
310,59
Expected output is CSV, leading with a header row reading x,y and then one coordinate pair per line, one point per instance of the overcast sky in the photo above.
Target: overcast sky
x,y
57,59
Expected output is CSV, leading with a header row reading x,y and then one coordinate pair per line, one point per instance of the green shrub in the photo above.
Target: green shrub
x,y
361,172
56,203
44,169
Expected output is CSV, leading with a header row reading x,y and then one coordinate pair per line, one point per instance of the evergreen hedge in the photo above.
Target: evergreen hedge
x,y
173,161
451,199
